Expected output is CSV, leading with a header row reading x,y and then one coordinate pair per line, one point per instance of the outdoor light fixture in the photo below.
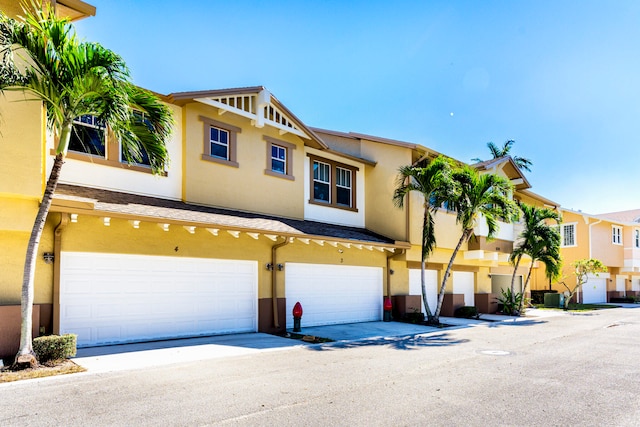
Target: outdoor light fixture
x,y
280,267
48,257
269,266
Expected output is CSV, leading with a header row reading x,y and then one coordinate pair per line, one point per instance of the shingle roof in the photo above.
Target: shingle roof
x,y
625,216
163,210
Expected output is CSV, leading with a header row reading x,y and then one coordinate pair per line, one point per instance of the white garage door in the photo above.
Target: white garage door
x,y
463,283
431,284
116,298
594,291
333,294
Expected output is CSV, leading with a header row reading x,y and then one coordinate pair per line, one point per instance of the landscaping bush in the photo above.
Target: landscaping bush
x,y
55,347
510,302
629,299
466,312
415,317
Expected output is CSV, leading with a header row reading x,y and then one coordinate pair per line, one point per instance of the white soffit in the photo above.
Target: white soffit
x,y
258,108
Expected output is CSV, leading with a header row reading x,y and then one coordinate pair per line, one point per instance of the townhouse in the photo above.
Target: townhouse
x,y
614,239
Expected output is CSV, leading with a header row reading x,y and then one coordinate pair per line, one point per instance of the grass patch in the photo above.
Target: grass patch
x,y
579,307
48,369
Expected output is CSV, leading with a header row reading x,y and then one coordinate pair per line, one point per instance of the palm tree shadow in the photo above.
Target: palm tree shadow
x,y
517,323
407,342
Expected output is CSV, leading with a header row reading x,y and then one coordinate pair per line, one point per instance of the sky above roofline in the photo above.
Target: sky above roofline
x,y
559,78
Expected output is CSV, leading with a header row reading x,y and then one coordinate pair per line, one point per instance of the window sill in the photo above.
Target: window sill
x,y
98,160
279,175
331,205
212,159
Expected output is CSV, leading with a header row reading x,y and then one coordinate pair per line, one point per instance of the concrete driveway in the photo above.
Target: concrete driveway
x,y
161,353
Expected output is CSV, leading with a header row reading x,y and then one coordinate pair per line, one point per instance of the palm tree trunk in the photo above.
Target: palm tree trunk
x,y
25,353
423,258
513,278
524,288
424,293
463,238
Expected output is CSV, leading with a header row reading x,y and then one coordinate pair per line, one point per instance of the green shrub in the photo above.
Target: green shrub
x,y
510,305
415,317
467,312
54,347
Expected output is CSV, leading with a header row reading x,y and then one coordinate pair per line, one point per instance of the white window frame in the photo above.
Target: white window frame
x,y
616,235
573,225
349,173
326,166
637,238
94,124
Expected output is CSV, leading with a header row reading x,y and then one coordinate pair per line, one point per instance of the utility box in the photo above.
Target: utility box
x,y
552,300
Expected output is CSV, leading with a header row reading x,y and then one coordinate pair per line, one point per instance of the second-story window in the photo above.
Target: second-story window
x,y
343,187
637,238
219,139
333,184
139,118
88,136
616,235
568,234
321,182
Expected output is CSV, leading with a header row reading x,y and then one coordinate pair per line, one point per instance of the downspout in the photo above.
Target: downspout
x,y
57,243
389,257
274,297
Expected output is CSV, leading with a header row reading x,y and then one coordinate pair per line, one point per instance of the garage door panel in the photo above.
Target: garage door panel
x,y
135,297
333,294
594,291
464,283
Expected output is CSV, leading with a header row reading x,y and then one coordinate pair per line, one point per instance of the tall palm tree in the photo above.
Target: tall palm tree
x,y
485,197
42,57
505,150
433,181
540,240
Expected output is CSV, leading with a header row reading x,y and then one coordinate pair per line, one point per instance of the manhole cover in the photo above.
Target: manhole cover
x,y
495,352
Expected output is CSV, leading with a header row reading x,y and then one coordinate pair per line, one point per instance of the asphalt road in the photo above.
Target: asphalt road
x,y
571,370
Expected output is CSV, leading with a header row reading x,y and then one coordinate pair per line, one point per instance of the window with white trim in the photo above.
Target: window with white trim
x,y
568,234
139,118
321,182
220,140
88,136
333,184
616,235
279,158
637,238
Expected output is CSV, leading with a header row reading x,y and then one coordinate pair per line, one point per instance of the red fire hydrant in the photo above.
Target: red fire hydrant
x,y
297,314
387,309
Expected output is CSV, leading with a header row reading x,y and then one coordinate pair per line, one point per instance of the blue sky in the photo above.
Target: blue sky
x,y
561,78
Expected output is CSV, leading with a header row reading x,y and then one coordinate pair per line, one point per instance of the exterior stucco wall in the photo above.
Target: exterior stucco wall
x,y
246,187
22,137
382,216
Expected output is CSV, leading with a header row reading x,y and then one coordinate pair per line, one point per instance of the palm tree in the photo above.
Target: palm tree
x,y
485,197
540,241
433,181
505,150
42,57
